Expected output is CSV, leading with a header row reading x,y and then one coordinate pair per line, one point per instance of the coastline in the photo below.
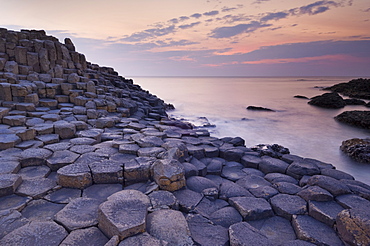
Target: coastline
x,y
88,157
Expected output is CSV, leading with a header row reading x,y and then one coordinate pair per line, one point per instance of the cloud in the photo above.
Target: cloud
x,y
184,18
211,13
229,19
260,1
149,33
189,25
196,15
226,9
230,31
367,10
314,8
274,16
174,21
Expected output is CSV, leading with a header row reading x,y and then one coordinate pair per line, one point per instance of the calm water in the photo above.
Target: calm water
x,y
306,130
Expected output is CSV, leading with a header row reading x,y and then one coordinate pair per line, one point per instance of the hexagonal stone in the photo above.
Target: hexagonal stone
x,y
230,189
138,169
14,120
353,201
314,231
286,205
44,128
169,174
287,188
188,199
330,184
63,195
101,191
163,199
9,166
298,169
9,141
278,230
106,172
36,233
58,146
150,151
143,239
265,192
204,232
241,233
123,214
149,141
89,236
272,165
250,161
198,184
252,208
10,220
88,158
61,158
79,213
34,172
48,138
74,176
64,129
13,202
9,183
82,149
35,188
279,177
325,212
337,174
252,181
34,157
41,210
206,206
226,217
315,193
129,149
91,133
170,226
353,226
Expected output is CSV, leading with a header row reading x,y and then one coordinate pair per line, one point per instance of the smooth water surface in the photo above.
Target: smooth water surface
x,y
306,130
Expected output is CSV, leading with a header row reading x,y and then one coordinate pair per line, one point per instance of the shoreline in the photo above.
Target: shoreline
x,y
89,158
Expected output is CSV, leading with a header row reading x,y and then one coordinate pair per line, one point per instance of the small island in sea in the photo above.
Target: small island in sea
x,y
90,158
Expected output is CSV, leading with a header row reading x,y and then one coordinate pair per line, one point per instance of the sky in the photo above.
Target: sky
x,y
207,37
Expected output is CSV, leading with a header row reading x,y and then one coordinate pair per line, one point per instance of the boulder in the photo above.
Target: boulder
x,y
257,108
74,176
64,129
252,208
91,236
356,118
358,88
286,205
328,100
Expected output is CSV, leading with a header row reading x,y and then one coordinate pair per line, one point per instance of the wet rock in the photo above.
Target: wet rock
x,y
198,184
208,206
298,169
188,199
169,174
61,158
252,208
143,239
277,229
74,176
272,165
279,177
89,236
226,217
325,212
265,192
311,230
287,188
315,193
170,226
328,100
358,88
106,172
253,181
200,167
9,183
353,226
286,205
204,232
352,201
334,173
243,234
41,210
63,195
10,220
101,191
79,213
330,184
34,157
36,233
256,108
357,149
163,199
230,189
124,214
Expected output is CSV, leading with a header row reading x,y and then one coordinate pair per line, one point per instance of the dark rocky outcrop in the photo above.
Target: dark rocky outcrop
x,y
257,108
355,118
328,100
358,149
357,88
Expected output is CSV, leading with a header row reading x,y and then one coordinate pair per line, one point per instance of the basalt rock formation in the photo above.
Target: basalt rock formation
x,y
356,88
89,158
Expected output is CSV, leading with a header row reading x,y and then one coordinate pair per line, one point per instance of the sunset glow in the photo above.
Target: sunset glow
x,y
193,37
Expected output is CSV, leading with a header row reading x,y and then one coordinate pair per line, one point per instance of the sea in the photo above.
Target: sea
x,y
219,104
